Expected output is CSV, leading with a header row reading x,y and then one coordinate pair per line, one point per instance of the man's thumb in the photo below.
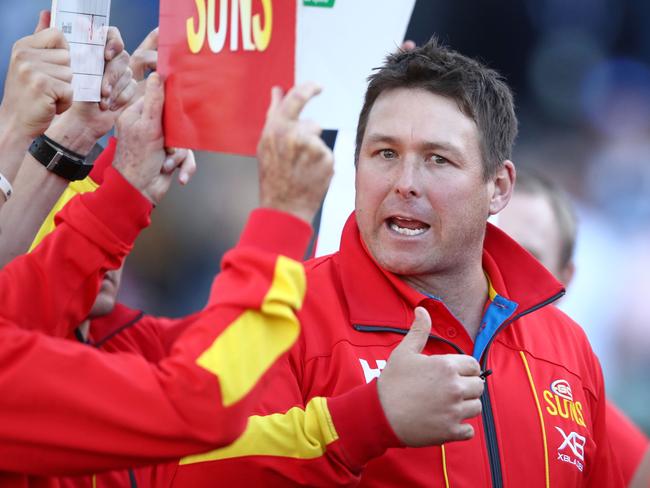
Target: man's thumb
x,y
43,21
417,336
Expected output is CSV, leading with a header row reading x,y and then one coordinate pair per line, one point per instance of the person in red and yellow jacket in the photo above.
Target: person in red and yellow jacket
x,y
69,409
288,147
541,218
434,143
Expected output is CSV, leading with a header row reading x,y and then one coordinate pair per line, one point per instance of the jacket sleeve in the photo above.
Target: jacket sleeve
x,y
605,468
72,409
53,288
320,443
628,442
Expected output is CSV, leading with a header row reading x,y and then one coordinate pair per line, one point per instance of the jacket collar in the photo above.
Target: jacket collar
x,y
379,298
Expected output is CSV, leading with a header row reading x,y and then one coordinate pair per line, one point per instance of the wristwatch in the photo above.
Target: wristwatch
x,y
59,160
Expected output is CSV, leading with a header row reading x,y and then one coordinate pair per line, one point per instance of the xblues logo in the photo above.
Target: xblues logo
x,y
572,449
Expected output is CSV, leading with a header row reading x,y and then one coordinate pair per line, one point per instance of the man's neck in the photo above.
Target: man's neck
x,y
84,329
464,293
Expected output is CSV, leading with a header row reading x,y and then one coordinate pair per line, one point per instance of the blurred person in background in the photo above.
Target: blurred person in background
x,y
541,218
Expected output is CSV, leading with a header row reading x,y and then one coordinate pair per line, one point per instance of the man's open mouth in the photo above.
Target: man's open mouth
x,y
407,227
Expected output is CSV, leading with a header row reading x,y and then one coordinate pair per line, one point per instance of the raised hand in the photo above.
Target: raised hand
x,y
427,398
296,166
38,84
86,122
141,154
145,57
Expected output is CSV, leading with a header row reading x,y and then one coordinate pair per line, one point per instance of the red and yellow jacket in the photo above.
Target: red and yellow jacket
x,y
67,408
543,421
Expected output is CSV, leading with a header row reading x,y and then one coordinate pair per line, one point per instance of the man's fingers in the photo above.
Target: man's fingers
x,y
114,43
44,18
125,96
58,56
150,42
418,335
309,127
463,432
187,169
56,71
114,71
468,366
473,387
297,98
49,39
470,408
141,61
62,94
154,98
276,100
175,158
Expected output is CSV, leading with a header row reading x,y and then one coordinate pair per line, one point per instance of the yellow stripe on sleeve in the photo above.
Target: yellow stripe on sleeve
x,y
541,418
75,188
253,342
298,434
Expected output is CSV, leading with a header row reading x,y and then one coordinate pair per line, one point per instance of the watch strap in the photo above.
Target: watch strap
x,y
59,160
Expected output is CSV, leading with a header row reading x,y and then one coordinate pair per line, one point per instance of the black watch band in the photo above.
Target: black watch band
x,y
59,160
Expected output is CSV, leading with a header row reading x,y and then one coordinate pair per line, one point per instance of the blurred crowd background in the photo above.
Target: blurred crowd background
x,y
581,75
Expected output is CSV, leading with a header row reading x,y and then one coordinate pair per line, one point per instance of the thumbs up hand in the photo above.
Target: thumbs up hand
x,y
426,398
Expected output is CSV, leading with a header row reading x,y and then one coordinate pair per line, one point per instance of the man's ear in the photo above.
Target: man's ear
x,y
502,186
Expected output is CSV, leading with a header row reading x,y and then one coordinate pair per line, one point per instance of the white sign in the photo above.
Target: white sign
x,y
85,25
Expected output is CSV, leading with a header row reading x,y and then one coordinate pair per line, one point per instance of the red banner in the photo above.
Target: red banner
x,y
219,59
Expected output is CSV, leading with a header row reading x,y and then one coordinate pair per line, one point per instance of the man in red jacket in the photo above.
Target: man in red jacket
x,y
541,218
288,146
58,406
434,142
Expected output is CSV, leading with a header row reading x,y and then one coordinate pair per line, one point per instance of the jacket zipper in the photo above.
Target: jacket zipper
x,y
491,439
486,414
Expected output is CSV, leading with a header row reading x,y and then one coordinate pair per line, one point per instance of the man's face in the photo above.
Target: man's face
x,y
107,296
421,200
529,219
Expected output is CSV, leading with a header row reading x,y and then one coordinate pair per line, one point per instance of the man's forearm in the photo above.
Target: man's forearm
x,y
36,190
13,146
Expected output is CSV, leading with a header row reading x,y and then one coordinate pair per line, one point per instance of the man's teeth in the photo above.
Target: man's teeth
x,y
406,232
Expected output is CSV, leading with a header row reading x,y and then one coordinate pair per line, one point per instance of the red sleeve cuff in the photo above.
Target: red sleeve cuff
x,y
362,426
104,160
112,216
276,232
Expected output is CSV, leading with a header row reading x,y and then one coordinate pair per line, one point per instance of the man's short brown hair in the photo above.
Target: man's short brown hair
x,y
479,91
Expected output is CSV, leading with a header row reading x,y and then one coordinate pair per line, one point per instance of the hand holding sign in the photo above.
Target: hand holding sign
x,y
296,166
141,154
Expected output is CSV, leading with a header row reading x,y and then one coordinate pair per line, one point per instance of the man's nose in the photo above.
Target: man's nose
x,y
407,182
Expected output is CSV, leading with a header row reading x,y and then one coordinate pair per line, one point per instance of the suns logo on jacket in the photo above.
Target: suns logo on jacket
x,y
559,402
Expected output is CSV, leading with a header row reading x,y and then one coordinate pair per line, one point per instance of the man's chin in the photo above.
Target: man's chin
x,y
103,306
404,264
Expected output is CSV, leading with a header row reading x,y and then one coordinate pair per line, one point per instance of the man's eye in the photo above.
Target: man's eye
x,y
388,154
438,160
